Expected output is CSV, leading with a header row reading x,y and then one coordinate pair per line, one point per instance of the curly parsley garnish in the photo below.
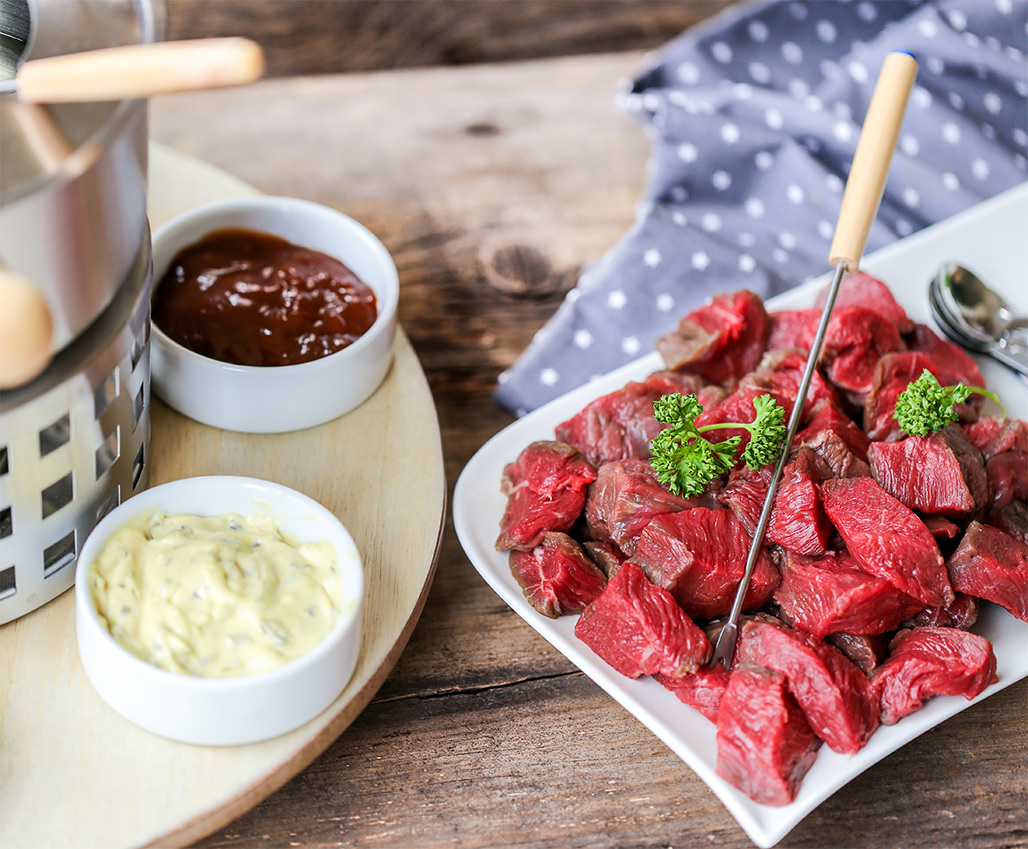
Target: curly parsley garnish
x,y
685,460
925,406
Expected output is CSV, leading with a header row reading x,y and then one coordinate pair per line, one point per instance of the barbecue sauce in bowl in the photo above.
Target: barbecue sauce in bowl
x,y
252,299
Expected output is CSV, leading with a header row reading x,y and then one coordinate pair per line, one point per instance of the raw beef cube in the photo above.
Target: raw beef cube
x,y
858,289
556,576
865,651
834,695
608,558
962,614
792,329
945,355
828,418
892,375
623,499
699,556
926,662
831,595
764,743
939,473
887,540
617,425
721,340
993,436
780,372
992,565
638,628
744,494
797,521
837,454
1008,478
942,528
854,342
701,690
546,492
1012,520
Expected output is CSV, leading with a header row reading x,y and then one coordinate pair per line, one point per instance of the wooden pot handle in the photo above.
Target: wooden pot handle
x,y
140,70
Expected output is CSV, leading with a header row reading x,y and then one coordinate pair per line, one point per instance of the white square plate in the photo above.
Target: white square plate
x,y
989,239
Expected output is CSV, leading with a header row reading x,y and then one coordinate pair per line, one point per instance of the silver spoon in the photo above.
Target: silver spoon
x,y
974,316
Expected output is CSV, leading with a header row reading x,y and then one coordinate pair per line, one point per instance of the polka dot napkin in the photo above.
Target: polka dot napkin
x,y
754,117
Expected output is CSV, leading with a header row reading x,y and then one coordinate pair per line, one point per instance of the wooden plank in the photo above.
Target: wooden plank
x,y
342,36
492,185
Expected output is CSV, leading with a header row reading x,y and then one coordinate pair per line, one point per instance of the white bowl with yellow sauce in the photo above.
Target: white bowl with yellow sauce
x,y
219,610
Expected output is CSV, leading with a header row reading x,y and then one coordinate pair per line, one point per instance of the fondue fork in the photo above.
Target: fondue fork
x,y
860,202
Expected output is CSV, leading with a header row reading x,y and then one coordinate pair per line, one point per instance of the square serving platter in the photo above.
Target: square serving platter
x,y
989,239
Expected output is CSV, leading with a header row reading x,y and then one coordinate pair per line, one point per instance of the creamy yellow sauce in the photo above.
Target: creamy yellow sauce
x,y
216,596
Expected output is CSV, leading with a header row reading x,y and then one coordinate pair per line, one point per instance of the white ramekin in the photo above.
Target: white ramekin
x,y
223,711
273,399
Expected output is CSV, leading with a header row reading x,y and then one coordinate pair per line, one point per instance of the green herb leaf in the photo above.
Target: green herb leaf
x,y
926,406
685,460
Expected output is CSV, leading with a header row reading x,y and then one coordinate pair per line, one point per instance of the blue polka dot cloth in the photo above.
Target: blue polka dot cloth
x,y
754,118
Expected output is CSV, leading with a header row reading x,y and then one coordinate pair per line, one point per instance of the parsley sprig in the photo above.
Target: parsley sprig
x,y
925,406
684,459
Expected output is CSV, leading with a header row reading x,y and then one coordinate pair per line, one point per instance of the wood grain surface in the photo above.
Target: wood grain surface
x,y
492,185
338,36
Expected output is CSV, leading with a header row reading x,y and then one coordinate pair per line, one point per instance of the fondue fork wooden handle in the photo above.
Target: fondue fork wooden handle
x,y
866,181
860,203
140,70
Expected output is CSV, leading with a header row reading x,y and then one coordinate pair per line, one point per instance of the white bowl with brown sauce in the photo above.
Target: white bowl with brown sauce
x,y
260,314
219,610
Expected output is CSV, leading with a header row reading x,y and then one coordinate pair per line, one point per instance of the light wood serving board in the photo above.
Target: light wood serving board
x,y
75,774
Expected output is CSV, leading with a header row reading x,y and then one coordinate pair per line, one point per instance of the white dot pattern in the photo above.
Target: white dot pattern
x,y
754,119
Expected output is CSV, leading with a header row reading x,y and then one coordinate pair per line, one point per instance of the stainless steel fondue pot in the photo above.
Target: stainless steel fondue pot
x,y
74,440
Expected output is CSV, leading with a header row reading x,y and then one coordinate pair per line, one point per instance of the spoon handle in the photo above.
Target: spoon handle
x,y
1002,354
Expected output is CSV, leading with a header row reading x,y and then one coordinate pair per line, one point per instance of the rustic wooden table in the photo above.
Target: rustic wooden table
x,y
491,185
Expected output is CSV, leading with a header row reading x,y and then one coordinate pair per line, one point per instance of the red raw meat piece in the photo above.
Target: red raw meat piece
x,y
992,565
887,540
962,614
866,651
1012,520
556,576
779,374
721,340
942,528
623,499
546,488
939,473
744,494
792,329
993,436
701,690
797,521
830,595
638,628
619,424
927,662
699,556
834,695
1007,474
827,417
854,342
945,355
859,289
764,743
607,557
892,375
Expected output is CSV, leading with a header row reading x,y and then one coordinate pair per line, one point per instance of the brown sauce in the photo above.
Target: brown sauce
x,y
257,300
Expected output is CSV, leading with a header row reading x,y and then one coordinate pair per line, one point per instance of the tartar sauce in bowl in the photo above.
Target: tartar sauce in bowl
x,y
214,596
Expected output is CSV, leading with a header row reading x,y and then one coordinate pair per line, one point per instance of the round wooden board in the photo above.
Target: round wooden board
x,y
72,772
